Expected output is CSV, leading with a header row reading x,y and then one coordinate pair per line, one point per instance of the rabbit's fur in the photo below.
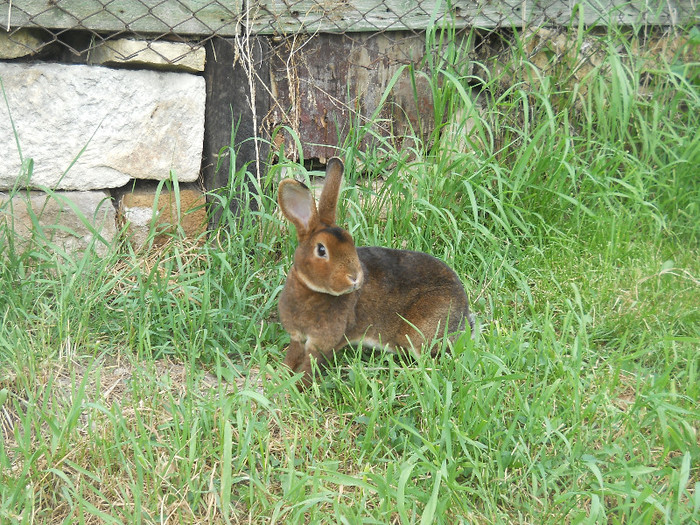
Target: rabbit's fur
x,y
336,294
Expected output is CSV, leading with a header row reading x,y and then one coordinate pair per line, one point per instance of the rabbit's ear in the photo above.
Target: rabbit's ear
x,y
331,189
298,206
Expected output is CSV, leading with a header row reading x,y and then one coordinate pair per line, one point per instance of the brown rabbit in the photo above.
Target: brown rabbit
x,y
336,294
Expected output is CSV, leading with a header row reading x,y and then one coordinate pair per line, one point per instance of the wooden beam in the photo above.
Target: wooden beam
x,y
229,106
311,16
182,17
228,17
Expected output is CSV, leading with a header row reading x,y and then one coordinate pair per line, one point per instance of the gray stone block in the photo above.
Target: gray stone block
x,y
90,127
68,220
19,43
161,55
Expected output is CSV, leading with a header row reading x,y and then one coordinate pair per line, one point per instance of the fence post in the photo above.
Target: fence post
x,y
228,105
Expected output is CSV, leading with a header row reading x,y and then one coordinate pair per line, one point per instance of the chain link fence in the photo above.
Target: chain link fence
x,y
203,19
318,63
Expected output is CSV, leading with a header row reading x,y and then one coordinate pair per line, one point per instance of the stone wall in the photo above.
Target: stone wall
x,y
78,142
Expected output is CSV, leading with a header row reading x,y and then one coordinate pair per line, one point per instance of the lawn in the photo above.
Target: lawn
x,y
146,388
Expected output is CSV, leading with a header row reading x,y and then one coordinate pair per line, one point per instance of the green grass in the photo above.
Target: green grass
x,y
146,389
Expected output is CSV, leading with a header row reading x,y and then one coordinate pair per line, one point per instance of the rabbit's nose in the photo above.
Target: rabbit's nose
x,y
355,279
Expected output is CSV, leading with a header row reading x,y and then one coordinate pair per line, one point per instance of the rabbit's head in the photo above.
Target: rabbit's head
x,y
325,260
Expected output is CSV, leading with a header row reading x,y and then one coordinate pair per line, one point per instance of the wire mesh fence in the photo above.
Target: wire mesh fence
x,y
54,23
328,62
232,17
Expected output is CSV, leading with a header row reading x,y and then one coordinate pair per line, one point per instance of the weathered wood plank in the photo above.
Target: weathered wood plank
x,y
290,16
228,106
327,84
225,17
181,17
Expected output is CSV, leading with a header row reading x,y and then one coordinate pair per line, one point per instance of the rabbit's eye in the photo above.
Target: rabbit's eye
x,y
321,251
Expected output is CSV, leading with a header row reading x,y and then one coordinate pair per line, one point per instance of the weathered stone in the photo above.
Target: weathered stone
x,y
160,55
19,43
136,210
549,53
90,127
70,220
660,50
464,130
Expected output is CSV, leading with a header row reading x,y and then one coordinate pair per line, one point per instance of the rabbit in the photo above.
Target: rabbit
x,y
336,294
